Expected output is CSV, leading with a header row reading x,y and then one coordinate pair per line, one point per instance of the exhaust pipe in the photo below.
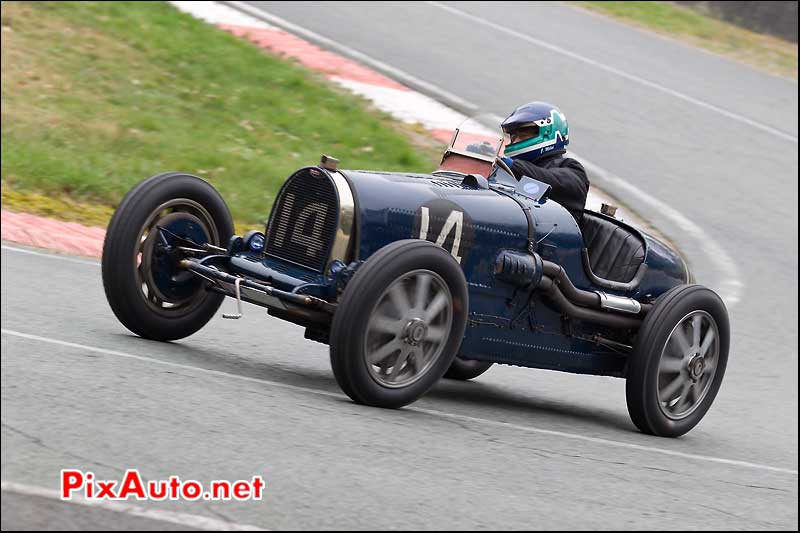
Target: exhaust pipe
x,y
525,269
551,290
593,299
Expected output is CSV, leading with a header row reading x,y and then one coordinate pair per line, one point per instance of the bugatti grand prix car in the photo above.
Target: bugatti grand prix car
x,y
413,277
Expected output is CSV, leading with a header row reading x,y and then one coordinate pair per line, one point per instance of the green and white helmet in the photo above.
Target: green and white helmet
x,y
547,124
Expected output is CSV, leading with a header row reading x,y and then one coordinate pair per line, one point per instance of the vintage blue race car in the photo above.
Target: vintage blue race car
x,y
412,277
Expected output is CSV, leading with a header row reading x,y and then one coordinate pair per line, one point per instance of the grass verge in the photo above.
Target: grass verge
x,y
757,50
96,96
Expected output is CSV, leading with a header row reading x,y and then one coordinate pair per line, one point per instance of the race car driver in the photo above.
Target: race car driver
x,y
537,139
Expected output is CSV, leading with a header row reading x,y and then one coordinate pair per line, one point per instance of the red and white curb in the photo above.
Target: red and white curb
x,y
42,232
388,95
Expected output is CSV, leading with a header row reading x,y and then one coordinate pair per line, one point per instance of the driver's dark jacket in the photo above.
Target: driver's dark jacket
x,y
565,175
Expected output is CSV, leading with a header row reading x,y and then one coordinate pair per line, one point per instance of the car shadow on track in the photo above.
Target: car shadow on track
x,y
481,396
232,362
469,398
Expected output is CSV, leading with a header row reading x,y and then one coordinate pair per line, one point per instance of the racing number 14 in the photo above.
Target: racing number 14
x,y
455,221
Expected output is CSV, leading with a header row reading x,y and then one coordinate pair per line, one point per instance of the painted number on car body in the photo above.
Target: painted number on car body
x,y
454,222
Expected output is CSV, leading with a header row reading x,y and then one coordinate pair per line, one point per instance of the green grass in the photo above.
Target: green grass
x,y
96,96
761,51
61,207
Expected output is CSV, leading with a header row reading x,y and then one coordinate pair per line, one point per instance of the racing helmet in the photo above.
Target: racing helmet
x,y
547,125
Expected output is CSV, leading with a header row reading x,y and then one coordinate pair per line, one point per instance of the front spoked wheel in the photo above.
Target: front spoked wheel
x,y
399,324
408,328
167,290
144,284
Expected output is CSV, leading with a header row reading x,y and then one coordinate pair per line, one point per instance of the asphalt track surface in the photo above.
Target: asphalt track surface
x,y
517,448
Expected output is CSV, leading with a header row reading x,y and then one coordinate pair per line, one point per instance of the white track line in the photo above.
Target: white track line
x,y
674,41
51,256
613,70
182,519
431,412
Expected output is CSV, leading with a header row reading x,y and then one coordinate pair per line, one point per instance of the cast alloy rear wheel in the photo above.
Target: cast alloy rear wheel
x,y
688,364
678,361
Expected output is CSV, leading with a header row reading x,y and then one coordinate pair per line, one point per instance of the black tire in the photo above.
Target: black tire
x,y
349,330
464,369
646,375
122,247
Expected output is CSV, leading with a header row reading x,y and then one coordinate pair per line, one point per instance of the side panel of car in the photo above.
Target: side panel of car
x,y
507,323
402,206
522,329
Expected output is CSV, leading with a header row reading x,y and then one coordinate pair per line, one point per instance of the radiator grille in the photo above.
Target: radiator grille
x,y
303,222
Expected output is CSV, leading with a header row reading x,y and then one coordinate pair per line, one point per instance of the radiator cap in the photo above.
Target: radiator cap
x,y
328,163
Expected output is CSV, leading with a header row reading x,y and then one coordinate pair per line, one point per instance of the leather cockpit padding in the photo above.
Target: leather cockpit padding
x,y
615,252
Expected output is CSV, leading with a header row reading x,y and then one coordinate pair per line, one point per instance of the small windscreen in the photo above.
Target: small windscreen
x,y
472,136
476,143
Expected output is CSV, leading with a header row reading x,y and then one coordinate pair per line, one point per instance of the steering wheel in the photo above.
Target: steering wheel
x,y
499,161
